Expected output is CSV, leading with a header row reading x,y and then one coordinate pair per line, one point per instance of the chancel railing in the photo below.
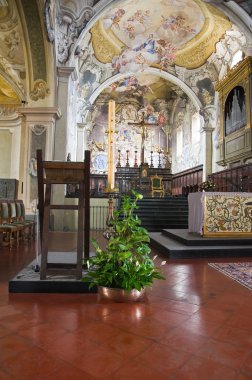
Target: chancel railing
x,y
139,179
126,179
238,178
187,181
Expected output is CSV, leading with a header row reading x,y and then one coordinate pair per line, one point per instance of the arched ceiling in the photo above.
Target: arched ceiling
x,y
173,36
7,94
141,86
12,61
142,33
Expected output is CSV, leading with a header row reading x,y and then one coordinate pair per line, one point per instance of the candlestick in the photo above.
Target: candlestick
x,y
159,159
127,158
151,155
111,130
135,165
119,159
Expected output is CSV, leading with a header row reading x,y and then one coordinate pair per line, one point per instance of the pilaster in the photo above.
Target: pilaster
x,y
38,130
65,76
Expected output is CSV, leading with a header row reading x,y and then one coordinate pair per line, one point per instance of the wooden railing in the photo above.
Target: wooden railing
x,y
238,178
187,181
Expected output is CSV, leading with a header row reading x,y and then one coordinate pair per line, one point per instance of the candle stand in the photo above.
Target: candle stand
x,y
135,164
151,165
127,158
110,217
159,158
119,159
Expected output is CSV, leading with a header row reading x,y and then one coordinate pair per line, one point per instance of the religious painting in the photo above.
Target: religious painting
x,y
142,123
100,162
142,33
206,91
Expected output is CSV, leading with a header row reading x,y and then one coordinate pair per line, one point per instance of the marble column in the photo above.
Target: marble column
x,y
65,76
209,115
81,143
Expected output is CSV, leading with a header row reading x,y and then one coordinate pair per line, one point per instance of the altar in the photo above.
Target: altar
x,y
218,214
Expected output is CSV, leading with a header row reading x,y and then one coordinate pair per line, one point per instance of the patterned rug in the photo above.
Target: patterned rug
x,y
240,272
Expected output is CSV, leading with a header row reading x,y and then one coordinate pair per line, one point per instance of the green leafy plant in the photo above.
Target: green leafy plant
x,y
207,185
126,262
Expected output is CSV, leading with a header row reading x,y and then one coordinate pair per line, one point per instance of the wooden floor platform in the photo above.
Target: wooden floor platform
x,y
28,280
180,244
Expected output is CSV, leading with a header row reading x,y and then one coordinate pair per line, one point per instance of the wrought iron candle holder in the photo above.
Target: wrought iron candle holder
x,y
151,160
135,164
127,158
110,231
159,158
119,159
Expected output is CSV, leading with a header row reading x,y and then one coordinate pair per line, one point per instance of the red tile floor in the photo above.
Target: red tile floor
x,y
197,324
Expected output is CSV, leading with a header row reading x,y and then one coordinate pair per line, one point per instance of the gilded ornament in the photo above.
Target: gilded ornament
x,y
198,53
40,90
104,48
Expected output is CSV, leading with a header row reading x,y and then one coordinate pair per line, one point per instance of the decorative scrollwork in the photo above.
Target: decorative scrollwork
x,y
40,90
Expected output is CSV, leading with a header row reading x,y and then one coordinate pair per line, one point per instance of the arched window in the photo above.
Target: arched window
x,y
195,128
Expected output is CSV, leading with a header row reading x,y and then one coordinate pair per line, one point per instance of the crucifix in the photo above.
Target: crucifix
x,y
144,126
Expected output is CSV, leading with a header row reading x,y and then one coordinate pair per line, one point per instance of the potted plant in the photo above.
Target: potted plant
x,y
124,268
208,185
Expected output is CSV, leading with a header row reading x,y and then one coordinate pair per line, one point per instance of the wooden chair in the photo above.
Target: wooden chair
x,y
157,186
9,232
24,228
29,225
56,172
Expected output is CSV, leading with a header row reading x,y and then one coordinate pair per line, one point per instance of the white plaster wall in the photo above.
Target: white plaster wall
x,y
5,157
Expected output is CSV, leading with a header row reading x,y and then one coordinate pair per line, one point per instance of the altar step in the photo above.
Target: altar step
x,y
180,244
159,213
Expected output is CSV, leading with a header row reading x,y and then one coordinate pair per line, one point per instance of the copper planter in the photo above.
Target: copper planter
x,y
120,295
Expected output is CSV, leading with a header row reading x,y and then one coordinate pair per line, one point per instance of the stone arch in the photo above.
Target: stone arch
x,y
165,75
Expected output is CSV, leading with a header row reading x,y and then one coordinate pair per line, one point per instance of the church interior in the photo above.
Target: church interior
x,y
145,96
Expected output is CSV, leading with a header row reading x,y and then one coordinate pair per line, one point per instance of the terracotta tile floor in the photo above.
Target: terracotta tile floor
x,y
197,324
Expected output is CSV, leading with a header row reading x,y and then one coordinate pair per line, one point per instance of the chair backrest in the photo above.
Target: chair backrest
x,y
156,182
13,212
19,211
4,214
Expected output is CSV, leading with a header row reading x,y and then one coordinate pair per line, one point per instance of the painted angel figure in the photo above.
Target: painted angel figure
x,y
140,16
113,20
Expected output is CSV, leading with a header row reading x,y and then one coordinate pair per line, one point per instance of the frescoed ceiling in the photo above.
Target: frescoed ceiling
x,y
146,88
7,94
12,62
143,33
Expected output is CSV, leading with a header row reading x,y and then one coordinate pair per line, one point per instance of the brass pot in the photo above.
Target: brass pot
x,y
121,295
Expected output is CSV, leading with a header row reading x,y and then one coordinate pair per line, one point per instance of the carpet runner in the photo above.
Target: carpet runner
x,y
240,272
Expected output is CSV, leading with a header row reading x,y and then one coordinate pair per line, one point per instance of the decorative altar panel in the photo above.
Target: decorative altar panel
x,y
220,214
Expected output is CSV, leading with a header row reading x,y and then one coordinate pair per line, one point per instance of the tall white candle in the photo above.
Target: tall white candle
x,y
159,140
111,130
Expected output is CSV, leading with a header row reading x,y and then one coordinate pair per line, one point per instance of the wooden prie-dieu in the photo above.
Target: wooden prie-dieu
x,y
54,173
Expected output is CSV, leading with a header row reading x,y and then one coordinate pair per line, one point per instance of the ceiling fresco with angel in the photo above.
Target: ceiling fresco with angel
x,y
142,33
144,87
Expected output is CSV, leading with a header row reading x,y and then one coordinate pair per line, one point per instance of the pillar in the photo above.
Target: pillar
x,y
209,115
65,76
